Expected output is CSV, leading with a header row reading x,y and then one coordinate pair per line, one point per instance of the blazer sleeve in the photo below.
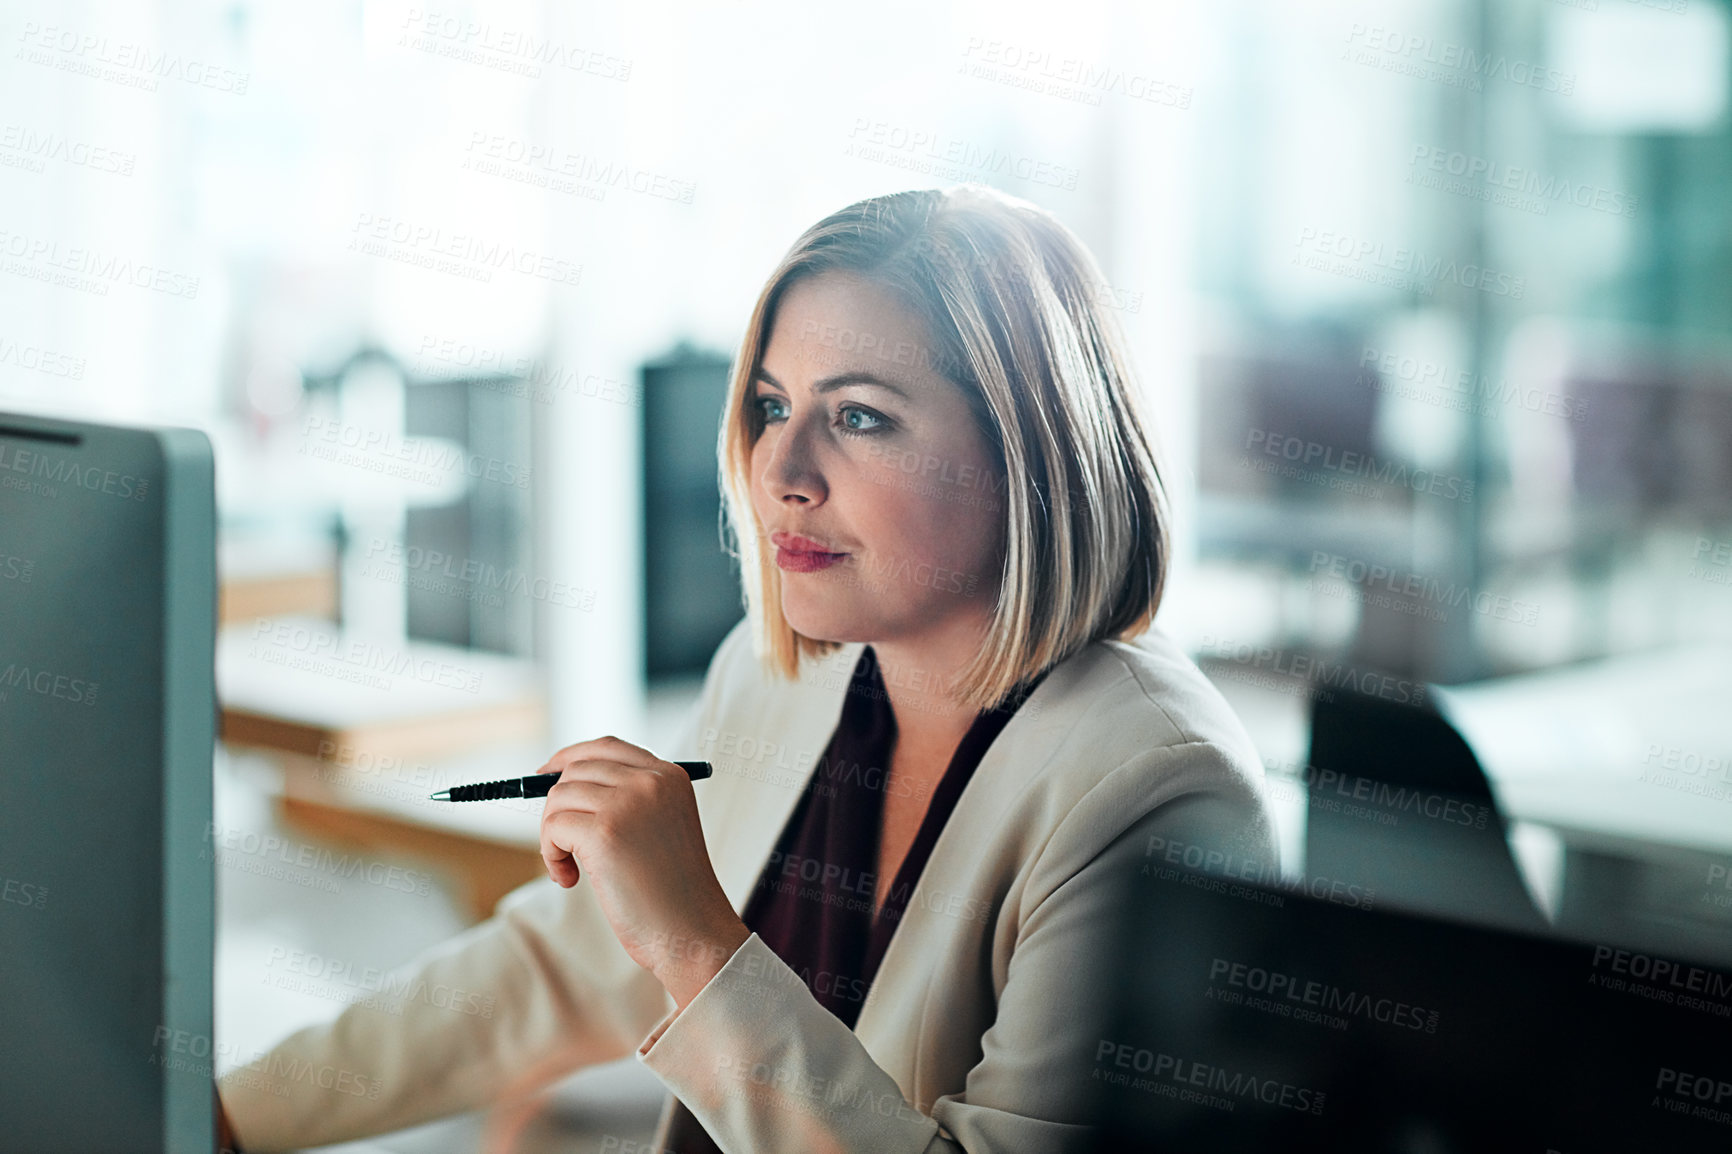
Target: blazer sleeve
x,y
767,1069
538,990
497,1012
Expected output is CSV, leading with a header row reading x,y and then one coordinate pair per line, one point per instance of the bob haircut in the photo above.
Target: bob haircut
x,y
1011,304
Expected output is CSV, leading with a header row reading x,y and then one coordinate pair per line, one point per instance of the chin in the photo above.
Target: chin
x,y
828,622
827,630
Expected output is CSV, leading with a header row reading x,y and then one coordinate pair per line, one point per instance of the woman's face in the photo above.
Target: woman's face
x,y
881,500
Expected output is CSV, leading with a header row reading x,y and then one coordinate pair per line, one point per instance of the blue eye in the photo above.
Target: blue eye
x,y
846,423
851,420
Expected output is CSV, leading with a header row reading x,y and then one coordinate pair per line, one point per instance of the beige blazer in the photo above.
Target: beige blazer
x,y
978,1032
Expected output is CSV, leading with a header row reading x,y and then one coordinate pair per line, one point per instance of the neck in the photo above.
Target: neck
x,y
918,673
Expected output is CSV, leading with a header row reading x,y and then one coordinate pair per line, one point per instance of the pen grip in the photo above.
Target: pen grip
x,y
494,790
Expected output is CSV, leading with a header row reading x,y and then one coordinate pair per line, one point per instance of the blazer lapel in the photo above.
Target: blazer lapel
x,y
962,868
763,785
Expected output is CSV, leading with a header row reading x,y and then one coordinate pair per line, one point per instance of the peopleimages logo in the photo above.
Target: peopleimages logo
x,y
1208,867
1712,561
1398,267
1124,1064
353,659
1310,670
40,360
1355,796
387,990
1065,77
544,166
1292,994
934,153
183,1052
1447,61
28,894
32,148
121,62
1656,979
466,577
1362,474
1429,382
47,683
1512,185
464,254
523,376
90,270
503,48
1372,583
45,467
423,460
1701,1096
253,852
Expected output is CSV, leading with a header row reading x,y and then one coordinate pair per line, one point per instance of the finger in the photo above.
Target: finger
x,y
575,795
604,749
561,837
601,749
563,871
609,773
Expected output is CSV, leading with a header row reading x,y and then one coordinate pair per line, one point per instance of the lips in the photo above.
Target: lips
x,y
798,554
794,543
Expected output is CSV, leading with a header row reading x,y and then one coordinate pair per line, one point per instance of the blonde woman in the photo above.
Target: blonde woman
x,y
945,731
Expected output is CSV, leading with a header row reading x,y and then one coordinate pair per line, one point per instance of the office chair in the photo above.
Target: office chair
x,y
1398,802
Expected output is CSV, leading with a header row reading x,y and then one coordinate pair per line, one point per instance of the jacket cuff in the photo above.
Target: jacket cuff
x,y
648,1045
763,1066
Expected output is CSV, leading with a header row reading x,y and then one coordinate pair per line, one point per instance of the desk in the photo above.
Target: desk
x,y
1624,753
1629,761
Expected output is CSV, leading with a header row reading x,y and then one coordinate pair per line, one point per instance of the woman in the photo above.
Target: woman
x,y
944,732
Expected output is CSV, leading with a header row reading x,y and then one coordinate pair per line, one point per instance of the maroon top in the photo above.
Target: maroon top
x,y
813,904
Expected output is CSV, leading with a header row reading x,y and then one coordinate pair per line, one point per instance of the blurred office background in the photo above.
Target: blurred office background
x,y
1432,301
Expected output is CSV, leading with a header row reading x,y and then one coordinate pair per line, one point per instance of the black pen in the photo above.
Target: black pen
x,y
536,785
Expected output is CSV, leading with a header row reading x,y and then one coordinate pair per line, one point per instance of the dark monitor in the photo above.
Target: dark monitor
x,y
1246,1017
107,724
691,584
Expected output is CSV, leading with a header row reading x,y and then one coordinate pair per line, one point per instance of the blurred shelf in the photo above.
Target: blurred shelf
x,y
365,729
303,686
258,579
482,869
245,599
381,805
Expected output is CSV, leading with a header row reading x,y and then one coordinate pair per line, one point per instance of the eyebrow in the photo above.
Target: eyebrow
x,y
840,380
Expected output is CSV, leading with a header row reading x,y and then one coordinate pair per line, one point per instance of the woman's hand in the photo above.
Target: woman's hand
x,y
630,820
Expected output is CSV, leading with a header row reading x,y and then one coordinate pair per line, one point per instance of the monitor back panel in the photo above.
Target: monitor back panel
x,y
107,593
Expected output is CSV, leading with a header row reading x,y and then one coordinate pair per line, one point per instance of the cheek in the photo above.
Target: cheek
x,y
939,520
971,530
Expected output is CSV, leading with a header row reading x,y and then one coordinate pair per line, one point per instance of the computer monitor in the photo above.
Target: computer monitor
x,y
1268,1017
107,724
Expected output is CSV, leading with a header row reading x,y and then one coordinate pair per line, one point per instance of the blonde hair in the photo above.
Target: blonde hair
x,y
1011,303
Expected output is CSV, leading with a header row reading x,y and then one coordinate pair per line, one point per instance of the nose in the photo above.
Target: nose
x,y
791,474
